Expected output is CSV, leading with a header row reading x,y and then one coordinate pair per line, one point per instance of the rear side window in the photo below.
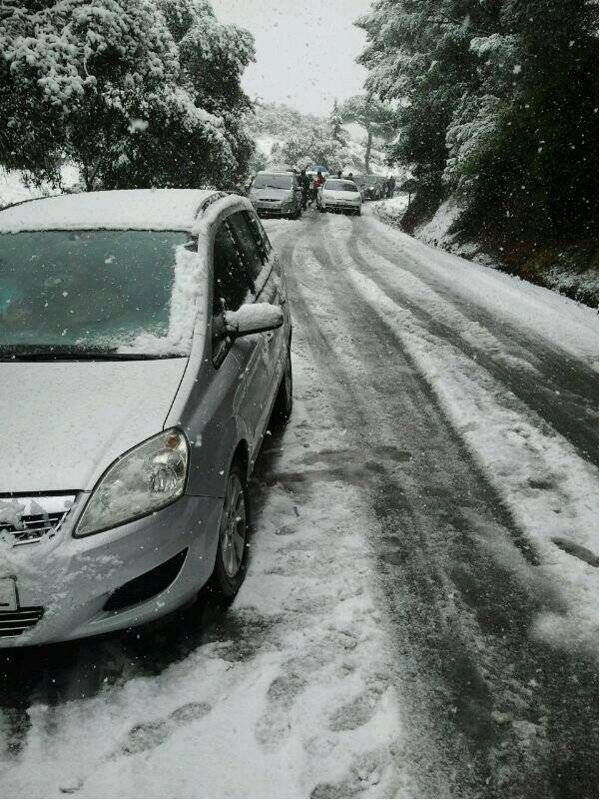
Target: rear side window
x,y
230,279
250,250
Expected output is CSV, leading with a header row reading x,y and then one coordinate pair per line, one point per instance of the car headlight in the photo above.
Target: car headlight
x,y
150,476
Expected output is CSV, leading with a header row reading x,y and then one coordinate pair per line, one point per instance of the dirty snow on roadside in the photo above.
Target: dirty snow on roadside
x,y
299,701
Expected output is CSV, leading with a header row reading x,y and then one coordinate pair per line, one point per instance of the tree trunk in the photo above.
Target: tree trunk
x,y
368,151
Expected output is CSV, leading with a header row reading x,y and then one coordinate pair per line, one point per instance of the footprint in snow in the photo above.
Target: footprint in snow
x,y
365,773
148,735
274,723
145,736
352,715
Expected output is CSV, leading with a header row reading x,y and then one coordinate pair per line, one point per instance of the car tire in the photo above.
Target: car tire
x,y
284,402
232,549
358,212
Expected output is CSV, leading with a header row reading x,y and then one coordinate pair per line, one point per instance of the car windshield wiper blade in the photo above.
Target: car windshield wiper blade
x,y
61,353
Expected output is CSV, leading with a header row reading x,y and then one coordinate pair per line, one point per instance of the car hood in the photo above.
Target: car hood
x,y
331,194
65,422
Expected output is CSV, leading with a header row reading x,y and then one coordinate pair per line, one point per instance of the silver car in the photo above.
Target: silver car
x,y
339,194
276,194
144,347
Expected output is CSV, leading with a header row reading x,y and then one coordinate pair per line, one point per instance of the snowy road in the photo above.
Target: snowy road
x,y
419,617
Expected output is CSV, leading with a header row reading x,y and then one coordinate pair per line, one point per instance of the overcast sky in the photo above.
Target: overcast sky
x,y
305,49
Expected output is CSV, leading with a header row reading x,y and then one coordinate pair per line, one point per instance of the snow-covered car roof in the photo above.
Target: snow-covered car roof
x,y
125,209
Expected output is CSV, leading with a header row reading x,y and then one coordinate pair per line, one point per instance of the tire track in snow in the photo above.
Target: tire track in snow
x,y
532,469
488,296
572,414
497,587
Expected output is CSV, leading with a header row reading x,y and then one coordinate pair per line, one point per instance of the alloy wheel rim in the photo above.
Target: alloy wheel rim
x,y
233,527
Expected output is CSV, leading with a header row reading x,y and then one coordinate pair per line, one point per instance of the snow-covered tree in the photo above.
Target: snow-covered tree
x,y
314,146
375,116
496,101
336,127
110,86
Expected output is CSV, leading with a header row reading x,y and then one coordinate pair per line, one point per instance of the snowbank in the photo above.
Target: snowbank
x,y
437,232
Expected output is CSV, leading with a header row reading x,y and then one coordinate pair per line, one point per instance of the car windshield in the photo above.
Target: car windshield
x,y
272,182
341,186
97,293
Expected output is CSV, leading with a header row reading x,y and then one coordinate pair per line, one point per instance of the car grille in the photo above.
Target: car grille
x,y
14,623
33,527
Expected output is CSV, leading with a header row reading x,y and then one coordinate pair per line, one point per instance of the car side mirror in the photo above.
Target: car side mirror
x,y
252,318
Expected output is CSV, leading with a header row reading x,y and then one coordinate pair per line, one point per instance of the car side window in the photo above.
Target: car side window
x,y
250,249
230,280
259,233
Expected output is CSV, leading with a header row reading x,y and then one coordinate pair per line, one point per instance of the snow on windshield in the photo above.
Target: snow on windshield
x,y
99,291
341,186
185,301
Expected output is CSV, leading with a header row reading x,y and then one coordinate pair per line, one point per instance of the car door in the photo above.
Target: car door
x,y
263,270
232,286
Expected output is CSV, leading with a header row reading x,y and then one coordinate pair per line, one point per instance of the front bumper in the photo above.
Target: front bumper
x,y
278,208
272,210
341,207
71,580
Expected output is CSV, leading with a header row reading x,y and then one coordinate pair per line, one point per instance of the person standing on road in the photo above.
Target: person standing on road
x,y
318,181
305,185
391,185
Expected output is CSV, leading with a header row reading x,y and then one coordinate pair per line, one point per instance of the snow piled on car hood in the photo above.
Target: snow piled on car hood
x,y
63,423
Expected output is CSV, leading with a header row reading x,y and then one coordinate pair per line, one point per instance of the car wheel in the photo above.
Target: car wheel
x,y
358,212
282,410
230,563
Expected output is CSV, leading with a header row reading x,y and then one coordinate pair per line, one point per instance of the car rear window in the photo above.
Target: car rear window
x,y
340,186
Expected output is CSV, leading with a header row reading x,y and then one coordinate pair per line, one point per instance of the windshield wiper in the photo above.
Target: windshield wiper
x,y
63,353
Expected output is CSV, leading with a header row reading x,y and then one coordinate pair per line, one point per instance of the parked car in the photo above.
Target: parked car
x,y
144,346
373,187
339,194
276,194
